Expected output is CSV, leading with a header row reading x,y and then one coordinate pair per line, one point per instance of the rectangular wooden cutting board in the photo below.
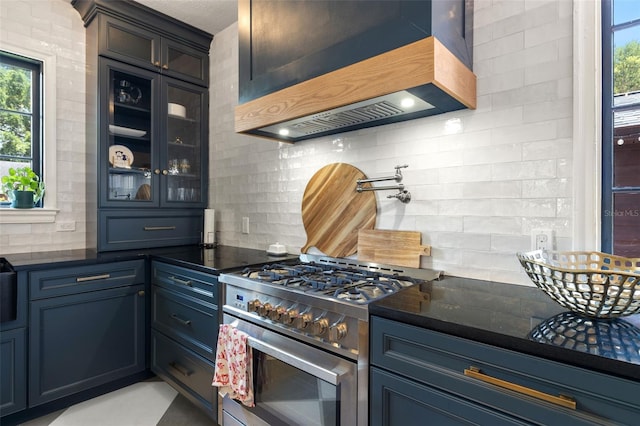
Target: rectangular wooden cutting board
x,y
402,248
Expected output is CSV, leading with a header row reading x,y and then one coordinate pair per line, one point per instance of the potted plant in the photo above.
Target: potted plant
x,y
23,187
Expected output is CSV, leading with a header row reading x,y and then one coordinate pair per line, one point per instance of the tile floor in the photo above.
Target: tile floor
x,y
148,403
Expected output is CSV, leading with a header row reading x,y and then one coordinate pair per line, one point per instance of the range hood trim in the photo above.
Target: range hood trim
x,y
423,62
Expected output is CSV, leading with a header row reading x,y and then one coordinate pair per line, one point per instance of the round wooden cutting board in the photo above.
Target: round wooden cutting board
x,y
333,211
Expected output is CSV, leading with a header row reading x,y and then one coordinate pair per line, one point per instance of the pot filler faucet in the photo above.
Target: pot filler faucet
x,y
403,195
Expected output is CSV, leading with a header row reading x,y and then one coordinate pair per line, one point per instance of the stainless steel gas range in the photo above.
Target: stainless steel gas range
x,y
307,325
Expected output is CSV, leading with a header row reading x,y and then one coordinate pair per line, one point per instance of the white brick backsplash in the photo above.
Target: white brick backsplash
x,y
546,188
493,225
524,170
480,179
54,28
476,191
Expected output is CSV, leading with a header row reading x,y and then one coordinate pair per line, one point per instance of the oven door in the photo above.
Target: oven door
x,y
294,383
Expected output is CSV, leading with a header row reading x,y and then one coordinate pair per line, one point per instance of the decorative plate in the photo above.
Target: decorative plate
x,y
125,131
120,156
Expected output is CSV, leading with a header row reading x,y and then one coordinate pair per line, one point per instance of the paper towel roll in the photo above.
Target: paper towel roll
x,y
209,226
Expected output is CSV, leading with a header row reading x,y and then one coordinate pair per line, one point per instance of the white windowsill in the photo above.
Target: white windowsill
x,y
35,215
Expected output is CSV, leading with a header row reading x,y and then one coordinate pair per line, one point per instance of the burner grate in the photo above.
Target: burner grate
x,y
344,282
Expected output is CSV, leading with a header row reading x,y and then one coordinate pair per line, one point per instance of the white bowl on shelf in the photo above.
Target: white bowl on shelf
x,y
177,110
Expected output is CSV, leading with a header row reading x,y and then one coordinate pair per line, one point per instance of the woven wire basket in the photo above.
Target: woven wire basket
x,y
594,284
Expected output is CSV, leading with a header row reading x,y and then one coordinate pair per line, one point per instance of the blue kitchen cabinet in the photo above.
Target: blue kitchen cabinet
x,y
184,331
13,371
148,111
135,34
451,380
87,328
13,345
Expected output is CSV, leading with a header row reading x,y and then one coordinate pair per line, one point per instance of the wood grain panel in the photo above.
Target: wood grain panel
x,y
402,248
333,211
406,67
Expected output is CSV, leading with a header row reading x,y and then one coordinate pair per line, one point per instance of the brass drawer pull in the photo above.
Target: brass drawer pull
x,y
180,320
93,278
180,369
159,228
183,282
562,400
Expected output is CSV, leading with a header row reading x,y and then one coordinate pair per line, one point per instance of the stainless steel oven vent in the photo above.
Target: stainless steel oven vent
x,y
380,108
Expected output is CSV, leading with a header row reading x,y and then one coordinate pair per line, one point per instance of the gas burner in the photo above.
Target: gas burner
x,y
348,283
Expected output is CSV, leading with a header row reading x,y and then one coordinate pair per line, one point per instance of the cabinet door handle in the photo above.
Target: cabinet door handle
x,y
165,67
156,63
180,320
183,282
180,369
159,228
562,400
156,171
93,278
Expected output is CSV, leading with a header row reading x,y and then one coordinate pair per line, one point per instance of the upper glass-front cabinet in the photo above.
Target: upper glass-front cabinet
x,y
182,156
153,129
136,45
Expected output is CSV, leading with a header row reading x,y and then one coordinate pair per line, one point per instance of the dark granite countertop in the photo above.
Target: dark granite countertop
x,y
212,260
519,318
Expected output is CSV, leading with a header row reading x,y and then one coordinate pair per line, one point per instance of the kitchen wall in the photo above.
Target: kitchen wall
x,y
480,180
52,30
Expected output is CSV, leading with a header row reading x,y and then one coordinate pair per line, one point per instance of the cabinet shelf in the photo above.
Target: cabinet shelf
x,y
132,108
183,145
127,171
184,119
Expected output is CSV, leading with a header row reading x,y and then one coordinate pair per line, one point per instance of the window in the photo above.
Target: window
x,y
621,127
20,115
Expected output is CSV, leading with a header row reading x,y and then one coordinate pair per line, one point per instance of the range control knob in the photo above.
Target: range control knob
x,y
265,309
302,321
276,313
319,326
289,316
254,305
337,331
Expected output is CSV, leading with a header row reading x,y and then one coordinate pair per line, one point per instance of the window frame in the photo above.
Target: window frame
x,y
608,110
36,114
47,213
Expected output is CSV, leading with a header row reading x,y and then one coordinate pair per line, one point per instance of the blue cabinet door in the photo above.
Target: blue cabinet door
x,y
13,371
80,341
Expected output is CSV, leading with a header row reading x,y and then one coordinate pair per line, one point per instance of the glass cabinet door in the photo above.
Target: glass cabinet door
x,y
185,63
185,134
129,152
129,43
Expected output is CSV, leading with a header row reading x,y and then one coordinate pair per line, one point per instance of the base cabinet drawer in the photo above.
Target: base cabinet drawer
x,y
83,279
521,386
188,372
189,321
397,401
123,230
13,371
185,281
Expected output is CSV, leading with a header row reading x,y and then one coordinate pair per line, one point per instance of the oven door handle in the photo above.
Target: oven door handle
x,y
330,376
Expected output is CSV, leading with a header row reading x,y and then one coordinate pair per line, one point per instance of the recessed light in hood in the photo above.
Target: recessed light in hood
x,y
365,94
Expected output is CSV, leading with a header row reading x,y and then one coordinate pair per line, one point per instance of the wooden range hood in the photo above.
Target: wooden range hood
x,y
365,94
